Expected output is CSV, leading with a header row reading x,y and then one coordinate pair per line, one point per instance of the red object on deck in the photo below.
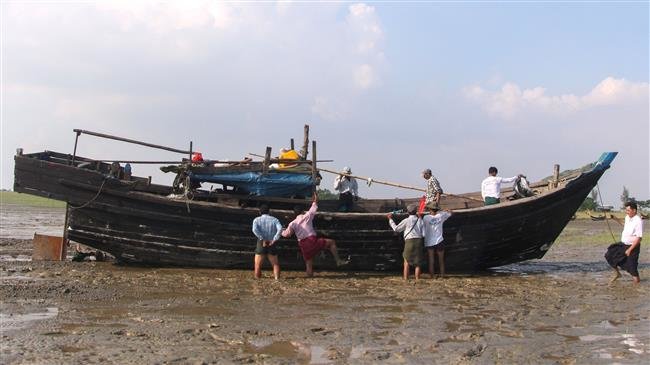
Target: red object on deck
x,y
422,204
197,157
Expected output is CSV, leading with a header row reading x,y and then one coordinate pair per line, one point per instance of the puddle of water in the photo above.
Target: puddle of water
x,y
17,321
18,258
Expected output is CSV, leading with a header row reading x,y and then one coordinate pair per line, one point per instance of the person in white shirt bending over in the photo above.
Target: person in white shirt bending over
x,y
348,189
491,186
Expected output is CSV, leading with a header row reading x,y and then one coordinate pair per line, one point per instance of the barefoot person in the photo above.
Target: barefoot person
x,y
267,229
433,240
625,254
310,245
413,239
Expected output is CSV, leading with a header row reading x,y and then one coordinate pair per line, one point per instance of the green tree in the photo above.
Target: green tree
x,y
625,196
588,204
325,194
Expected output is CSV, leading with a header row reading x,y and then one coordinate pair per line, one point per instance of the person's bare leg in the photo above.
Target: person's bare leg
x,y
636,279
331,245
617,274
406,270
430,253
417,272
258,266
276,266
441,263
309,267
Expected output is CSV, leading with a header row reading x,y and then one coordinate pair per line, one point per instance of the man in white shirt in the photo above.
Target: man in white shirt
x,y
433,240
491,186
348,189
413,239
625,254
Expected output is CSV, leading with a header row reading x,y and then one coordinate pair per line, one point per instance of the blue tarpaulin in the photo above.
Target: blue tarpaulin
x,y
279,184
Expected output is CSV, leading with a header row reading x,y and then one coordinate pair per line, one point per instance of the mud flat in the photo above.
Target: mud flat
x,y
561,309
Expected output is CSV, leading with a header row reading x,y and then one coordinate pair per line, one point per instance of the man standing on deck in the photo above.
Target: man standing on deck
x,y
491,186
625,254
310,245
348,189
434,191
267,229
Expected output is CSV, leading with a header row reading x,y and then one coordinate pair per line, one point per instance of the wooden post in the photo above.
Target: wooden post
x,y
556,175
74,152
305,143
267,158
190,152
65,228
291,144
314,171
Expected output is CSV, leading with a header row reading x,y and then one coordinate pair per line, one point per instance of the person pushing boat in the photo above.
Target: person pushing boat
x,y
310,245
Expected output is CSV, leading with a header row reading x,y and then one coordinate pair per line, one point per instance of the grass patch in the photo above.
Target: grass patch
x,y
11,197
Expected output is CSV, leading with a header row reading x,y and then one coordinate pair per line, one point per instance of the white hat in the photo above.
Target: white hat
x,y
284,149
346,170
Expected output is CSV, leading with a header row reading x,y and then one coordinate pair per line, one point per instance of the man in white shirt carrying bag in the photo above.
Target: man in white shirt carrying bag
x,y
625,254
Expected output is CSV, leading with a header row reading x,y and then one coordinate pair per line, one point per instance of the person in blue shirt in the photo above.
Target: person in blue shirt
x,y
267,229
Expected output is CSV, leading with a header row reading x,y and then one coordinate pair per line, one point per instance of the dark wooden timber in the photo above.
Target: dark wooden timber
x,y
133,141
138,223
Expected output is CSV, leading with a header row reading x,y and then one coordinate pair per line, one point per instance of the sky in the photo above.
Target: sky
x,y
388,88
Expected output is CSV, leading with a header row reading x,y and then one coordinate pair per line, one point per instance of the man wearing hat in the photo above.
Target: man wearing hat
x,y
434,191
348,189
433,240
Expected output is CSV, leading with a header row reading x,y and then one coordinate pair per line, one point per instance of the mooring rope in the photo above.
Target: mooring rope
x,y
91,200
605,214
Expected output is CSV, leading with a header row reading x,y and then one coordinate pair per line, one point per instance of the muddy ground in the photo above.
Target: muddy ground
x,y
560,309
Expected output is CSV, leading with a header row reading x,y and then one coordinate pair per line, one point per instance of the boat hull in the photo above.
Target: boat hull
x,y
139,224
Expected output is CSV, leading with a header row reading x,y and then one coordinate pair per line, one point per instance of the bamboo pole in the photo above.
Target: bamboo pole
x,y
376,181
286,160
394,184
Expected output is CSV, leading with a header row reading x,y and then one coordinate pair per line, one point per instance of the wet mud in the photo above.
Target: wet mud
x,y
558,310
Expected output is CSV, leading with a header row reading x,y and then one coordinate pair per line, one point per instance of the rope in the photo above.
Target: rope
x,y
91,200
606,220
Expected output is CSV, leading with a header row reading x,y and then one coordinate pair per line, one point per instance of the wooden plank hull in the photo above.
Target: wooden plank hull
x,y
139,224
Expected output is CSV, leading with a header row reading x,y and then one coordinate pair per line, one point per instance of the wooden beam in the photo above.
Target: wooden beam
x,y
127,140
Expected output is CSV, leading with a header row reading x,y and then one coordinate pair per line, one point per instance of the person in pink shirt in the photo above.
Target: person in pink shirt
x,y
310,245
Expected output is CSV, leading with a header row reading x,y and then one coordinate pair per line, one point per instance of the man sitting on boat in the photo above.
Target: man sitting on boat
x,y
491,186
310,245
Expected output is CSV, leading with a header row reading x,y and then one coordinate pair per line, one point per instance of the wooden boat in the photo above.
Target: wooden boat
x,y
144,223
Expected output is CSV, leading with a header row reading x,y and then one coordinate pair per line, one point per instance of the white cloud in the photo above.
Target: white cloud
x,y
363,20
364,76
169,16
511,100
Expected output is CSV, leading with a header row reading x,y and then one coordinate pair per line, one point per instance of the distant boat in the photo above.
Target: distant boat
x,y
143,223
596,217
